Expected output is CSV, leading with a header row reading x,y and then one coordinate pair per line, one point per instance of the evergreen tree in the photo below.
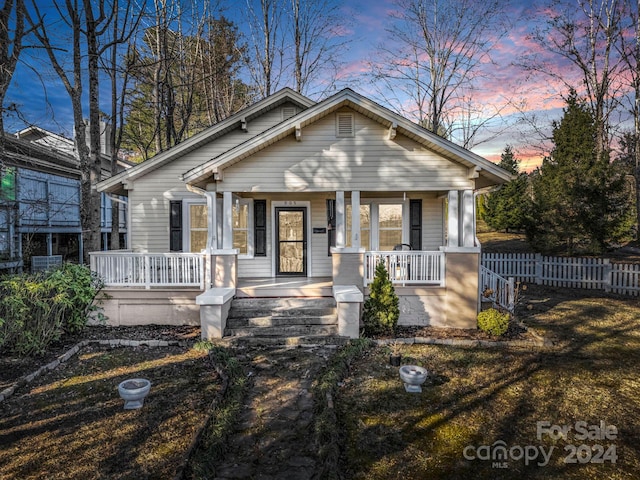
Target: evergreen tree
x,y
579,198
506,208
381,309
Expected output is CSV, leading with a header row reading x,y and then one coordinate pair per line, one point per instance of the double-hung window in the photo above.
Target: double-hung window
x,y
242,224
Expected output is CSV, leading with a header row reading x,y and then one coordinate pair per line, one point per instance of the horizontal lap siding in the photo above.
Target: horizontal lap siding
x,y
367,162
149,200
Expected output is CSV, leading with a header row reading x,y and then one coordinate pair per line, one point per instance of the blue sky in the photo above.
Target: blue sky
x,y
43,101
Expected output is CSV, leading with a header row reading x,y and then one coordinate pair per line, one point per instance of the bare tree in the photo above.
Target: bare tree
x,y
10,47
433,56
584,33
630,51
316,27
87,29
266,59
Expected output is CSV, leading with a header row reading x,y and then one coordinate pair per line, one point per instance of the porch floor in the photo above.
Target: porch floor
x,y
284,287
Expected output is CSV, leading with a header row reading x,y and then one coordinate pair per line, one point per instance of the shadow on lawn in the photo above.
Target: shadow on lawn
x,y
500,395
70,423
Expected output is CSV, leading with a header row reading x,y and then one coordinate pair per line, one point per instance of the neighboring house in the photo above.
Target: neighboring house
x,y
40,200
292,189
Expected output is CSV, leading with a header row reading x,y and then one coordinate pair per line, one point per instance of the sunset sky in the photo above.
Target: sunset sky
x,y
44,102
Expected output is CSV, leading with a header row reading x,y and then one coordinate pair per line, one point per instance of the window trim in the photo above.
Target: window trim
x,y
374,233
186,222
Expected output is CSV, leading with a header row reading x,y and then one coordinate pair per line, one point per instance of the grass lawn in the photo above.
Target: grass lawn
x,y
70,423
479,396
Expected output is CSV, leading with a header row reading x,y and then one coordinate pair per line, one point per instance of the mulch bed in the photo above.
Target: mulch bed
x,y
13,368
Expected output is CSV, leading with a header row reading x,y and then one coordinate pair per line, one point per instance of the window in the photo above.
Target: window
x,y
345,125
197,227
241,228
383,224
365,226
389,226
241,222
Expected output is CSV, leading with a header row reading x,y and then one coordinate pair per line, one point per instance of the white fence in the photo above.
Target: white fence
x,y
497,289
406,267
572,272
123,268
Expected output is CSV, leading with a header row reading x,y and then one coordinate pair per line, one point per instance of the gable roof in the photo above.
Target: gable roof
x,y
116,183
477,165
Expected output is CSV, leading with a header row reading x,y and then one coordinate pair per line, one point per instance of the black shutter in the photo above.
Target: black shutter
x,y
331,225
260,227
175,225
415,224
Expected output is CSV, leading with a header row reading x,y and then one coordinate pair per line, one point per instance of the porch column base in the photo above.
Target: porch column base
x,y
225,268
462,278
348,266
349,300
214,311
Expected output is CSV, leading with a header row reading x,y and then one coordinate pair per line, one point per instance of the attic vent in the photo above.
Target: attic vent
x,y
288,112
345,126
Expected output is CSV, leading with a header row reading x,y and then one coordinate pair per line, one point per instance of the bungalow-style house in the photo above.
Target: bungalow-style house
x,y
292,198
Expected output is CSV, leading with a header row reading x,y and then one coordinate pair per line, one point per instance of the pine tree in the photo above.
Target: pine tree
x,y
381,309
580,203
506,208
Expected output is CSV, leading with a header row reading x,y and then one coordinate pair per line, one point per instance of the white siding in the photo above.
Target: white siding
x,y
149,199
322,162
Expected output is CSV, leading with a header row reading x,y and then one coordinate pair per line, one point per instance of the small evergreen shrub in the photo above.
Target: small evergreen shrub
x,y
493,322
35,309
381,309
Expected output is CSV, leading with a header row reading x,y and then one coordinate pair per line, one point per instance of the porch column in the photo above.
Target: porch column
x,y
227,218
212,221
467,219
452,219
340,223
355,219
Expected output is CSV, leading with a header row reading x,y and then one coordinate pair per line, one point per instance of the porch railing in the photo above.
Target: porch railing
x,y
497,289
412,267
124,268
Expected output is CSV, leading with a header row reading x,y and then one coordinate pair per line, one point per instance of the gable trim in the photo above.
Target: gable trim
x,y
360,104
236,120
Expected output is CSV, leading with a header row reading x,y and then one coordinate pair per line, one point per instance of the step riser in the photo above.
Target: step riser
x,y
289,331
290,341
299,312
271,321
282,303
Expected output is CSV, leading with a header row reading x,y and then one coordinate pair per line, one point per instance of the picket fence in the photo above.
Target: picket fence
x,y
571,272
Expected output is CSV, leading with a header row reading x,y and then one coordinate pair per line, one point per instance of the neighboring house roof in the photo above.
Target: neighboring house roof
x,y
23,153
47,139
116,183
478,166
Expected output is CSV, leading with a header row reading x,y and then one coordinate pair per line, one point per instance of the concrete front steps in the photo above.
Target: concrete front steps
x,y
283,321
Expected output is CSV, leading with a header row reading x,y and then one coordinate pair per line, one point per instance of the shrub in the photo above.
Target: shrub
x,y
493,322
381,309
35,309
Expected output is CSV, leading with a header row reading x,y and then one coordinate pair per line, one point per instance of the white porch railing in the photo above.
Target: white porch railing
x,y
124,268
413,267
496,289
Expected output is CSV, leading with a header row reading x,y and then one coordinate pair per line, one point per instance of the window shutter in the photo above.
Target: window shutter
x,y
415,224
260,227
331,225
175,225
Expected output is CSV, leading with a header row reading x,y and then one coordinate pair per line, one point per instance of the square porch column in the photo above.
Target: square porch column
x,y
467,220
453,219
212,220
355,219
340,220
